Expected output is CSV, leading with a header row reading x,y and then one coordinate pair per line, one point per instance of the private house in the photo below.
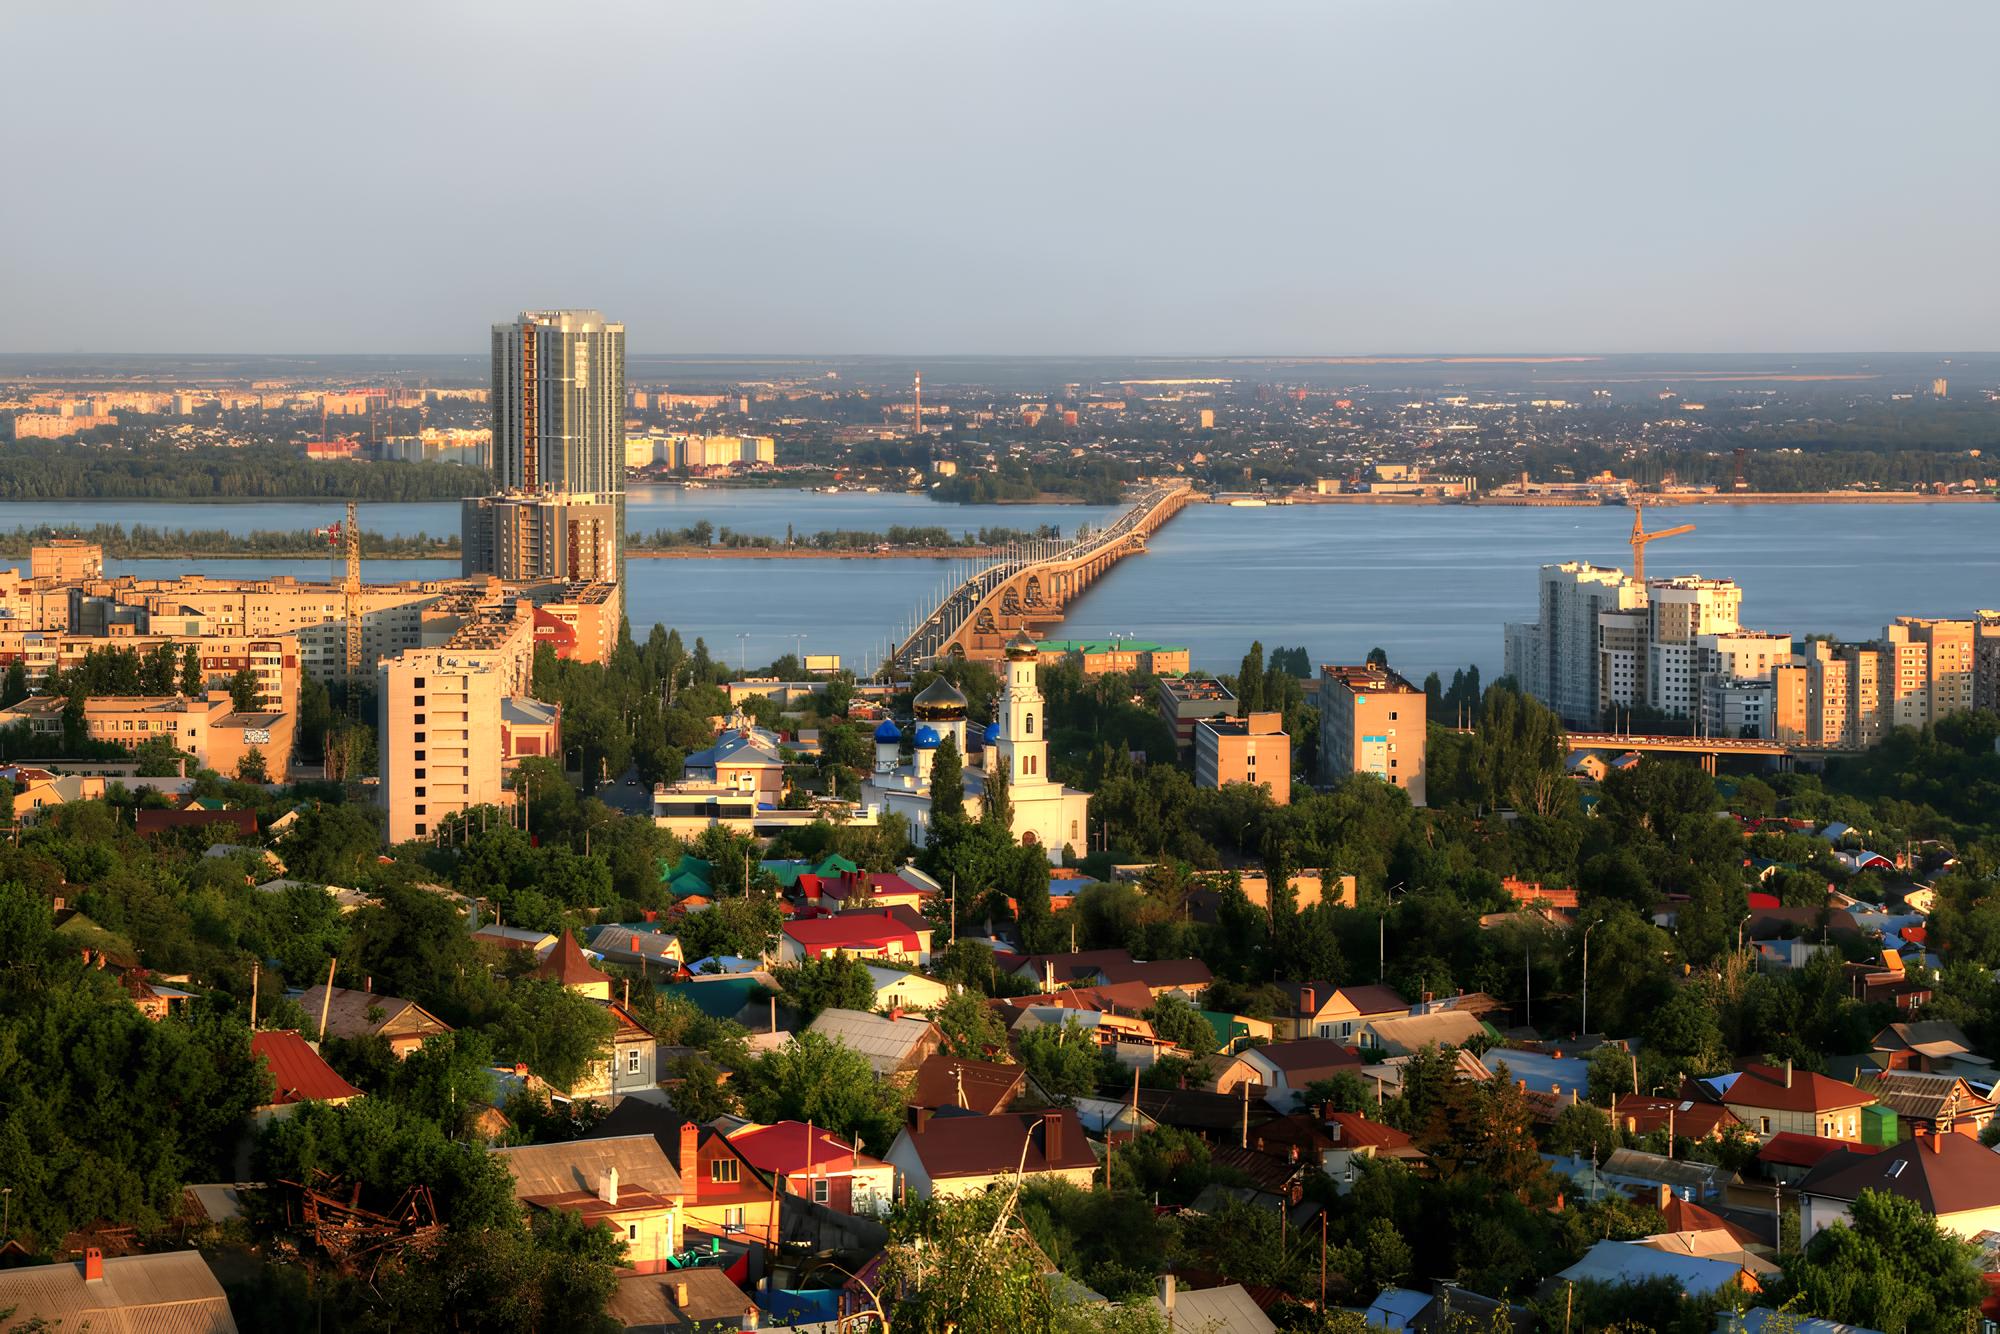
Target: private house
x,y
858,935
1323,1010
854,888
637,947
721,1193
1770,1100
984,1087
1629,1262
347,1013
1927,1104
1953,1177
631,1067
1683,1118
740,762
1284,1070
536,943
1355,1136
700,1300
896,989
1076,969
1408,1034
1934,1045
893,1043
1229,1309
623,1182
167,1290
950,1156
811,1163
298,1075
566,966
1187,978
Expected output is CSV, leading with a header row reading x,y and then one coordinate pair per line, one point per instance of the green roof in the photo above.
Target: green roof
x,y
722,998
787,873
1228,1028
1107,646
689,875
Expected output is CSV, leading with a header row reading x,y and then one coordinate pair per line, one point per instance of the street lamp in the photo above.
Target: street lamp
x,y
1586,974
1739,930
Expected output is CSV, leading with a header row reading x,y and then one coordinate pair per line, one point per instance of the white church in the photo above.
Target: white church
x,y
1045,813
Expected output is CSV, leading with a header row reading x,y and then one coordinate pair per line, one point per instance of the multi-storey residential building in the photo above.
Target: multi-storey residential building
x,y
66,560
1733,706
1559,659
1791,696
1621,658
1253,750
442,739
542,535
1905,698
1829,696
1948,659
559,409
1748,655
209,729
1372,721
1986,661
1186,700
1865,714
1679,613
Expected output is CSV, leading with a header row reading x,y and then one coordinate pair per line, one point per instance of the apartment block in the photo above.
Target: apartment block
x,y
1186,700
1905,698
1986,661
209,729
1372,721
1949,660
1100,657
1679,613
1254,749
1791,717
66,560
1558,658
526,537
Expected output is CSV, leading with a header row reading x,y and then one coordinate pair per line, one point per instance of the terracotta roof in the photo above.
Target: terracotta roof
x,y
153,822
1074,967
1946,1174
964,1146
1691,1118
986,1086
1789,1149
1765,1086
1160,973
1117,997
782,1148
1307,1057
1351,1130
566,965
1686,1216
298,1073
865,930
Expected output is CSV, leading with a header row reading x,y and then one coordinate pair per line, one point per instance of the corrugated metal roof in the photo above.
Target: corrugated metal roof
x,y
169,1293
886,1043
559,1169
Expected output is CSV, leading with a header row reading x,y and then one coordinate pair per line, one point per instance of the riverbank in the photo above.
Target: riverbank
x,y
1253,501
805,553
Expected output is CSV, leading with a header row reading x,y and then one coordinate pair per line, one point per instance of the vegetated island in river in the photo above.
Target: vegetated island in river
x,y
702,540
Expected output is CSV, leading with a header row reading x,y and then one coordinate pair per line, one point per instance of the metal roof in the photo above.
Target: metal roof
x,y
168,1293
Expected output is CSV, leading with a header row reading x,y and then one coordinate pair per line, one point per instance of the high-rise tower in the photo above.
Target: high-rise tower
x,y
559,414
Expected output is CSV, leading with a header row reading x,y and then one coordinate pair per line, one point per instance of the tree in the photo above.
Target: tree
x,y
250,768
559,1034
192,682
15,688
969,1027
834,982
245,690
815,1078
1061,1059
1178,1022
947,783
1250,681
699,1091
1891,1266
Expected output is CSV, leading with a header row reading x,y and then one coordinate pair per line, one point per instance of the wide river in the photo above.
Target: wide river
x,y
1432,585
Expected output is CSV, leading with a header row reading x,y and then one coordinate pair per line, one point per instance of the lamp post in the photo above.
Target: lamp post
x,y
1586,974
1739,931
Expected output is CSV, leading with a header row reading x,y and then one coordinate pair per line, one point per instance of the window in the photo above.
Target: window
x,y
418,810
732,1219
722,1171
632,1061
1763,1125
822,1191
1030,724
420,826
632,1232
421,791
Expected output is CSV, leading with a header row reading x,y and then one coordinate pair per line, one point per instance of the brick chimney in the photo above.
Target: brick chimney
x,y
1663,1195
1308,1002
1052,1122
93,1264
681,1295
920,1119
895,1013
690,1161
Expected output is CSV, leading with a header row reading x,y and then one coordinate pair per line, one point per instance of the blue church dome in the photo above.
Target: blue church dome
x,y
992,733
888,731
928,738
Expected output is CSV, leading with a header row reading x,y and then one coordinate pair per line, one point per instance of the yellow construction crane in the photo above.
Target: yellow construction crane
x,y
1640,537
350,587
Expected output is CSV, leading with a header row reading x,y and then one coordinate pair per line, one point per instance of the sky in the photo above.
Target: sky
x,y
1090,177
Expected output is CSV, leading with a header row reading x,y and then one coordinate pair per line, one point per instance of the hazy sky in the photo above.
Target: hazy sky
x,y
1012,176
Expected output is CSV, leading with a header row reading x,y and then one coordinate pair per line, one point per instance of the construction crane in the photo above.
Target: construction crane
x,y
350,588
1640,537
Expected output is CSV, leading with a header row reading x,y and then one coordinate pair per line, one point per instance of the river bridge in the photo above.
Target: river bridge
x,y
1028,585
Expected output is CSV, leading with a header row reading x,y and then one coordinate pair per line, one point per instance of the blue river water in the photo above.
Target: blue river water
x,y
1431,585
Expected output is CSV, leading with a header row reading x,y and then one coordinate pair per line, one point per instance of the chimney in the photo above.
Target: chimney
x,y
681,1295
1937,1143
1307,999
608,1191
1663,1195
1788,1072
1429,997
920,1119
895,1013
1052,1123
690,1161
1167,1294
93,1264
520,1070
1048,975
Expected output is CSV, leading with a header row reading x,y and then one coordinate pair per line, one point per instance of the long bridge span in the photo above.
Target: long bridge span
x,y
1029,585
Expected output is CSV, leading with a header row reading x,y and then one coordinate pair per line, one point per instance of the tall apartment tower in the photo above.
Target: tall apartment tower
x,y
559,413
1679,613
1948,660
1558,659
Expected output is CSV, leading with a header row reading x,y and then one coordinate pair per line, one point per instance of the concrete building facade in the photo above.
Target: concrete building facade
x,y
1254,750
1372,721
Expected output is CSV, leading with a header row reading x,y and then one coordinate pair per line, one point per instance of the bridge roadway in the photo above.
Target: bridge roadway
x,y
1030,584
1710,748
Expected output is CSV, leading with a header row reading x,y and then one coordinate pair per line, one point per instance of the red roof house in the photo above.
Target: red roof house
x,y
298,1073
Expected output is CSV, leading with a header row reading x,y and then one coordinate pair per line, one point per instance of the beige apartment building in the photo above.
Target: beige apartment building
x,y
449,716
66,560
1986,660
1679,613
1252,750
209,729
1948,660
1372,721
